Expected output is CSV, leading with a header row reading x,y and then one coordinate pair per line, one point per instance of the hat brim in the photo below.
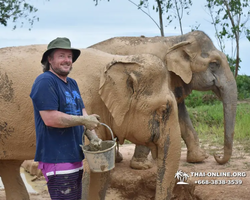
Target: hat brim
x,y
76,54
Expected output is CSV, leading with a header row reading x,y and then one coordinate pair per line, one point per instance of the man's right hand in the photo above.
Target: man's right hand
x,y
91,121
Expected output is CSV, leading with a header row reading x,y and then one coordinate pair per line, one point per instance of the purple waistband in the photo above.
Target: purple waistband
x,y
49,169
60,166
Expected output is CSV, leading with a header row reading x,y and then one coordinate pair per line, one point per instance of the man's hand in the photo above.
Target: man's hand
x,y
95,141
91,121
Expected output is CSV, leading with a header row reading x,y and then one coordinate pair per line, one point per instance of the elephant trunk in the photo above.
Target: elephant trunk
x,y
228,95
168,152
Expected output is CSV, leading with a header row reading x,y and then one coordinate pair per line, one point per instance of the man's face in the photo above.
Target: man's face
x,y
61,61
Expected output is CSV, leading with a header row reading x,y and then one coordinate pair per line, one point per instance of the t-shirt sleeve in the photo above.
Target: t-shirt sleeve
x,y
44,95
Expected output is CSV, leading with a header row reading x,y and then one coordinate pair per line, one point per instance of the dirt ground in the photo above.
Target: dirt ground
x,y
129,184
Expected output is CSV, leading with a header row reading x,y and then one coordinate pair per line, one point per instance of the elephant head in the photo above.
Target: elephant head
x,y
194,58
142,109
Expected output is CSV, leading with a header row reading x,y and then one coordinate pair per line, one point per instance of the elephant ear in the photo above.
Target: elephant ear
x,y
117,86
178,61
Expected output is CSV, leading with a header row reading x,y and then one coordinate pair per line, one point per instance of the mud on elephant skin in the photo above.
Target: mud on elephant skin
x,y
121,89
138,109
194,64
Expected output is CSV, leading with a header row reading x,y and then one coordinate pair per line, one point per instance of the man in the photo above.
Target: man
x,y
59,119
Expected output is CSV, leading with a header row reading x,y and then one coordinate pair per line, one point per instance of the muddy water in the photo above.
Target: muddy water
x,y
33,186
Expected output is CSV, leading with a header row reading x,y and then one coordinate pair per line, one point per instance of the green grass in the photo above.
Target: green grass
x,y
208,122
242,127
197,98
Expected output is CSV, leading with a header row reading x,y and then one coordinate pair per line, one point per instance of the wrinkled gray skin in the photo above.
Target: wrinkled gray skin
x,y
194,64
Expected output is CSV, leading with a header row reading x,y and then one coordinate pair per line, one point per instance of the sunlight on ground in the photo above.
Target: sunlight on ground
x,y
28,183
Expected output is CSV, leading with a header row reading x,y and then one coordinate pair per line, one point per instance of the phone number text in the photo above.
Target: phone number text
x,y
219,182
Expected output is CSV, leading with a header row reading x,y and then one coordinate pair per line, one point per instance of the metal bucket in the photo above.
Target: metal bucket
x,y
104,159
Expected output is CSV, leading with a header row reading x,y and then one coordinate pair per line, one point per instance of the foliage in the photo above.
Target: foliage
x,y
232,17
232,63
14,10
173,9
160,27
243,86
208,121
195,27
211,115
197,98
159,8
178,7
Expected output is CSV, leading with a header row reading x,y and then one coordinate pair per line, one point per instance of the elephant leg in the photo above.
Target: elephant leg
x,y
13,183
140,158
85,180
118,155
194,153
98,185
94,185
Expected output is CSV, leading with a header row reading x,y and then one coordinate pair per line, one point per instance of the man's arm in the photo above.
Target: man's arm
x,y
57,119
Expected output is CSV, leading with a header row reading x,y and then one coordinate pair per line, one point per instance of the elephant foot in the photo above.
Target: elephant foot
x,y
118,157
196,156
140,163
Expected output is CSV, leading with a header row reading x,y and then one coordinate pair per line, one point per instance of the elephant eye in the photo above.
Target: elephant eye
x,y
214,66
160,110
164,111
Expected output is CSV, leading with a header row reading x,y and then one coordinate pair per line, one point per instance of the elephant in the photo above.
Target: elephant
x,y
131,94
193,63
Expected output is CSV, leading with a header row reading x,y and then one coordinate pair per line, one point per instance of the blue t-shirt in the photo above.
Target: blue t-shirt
x,y
57,145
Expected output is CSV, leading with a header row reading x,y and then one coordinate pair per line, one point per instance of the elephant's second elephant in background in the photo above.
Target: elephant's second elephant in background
x,y
130,93
193,63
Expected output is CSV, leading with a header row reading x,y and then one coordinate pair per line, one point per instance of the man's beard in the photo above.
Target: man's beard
x,y
60,72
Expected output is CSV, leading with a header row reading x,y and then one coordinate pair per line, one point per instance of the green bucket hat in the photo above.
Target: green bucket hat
x,y
60,43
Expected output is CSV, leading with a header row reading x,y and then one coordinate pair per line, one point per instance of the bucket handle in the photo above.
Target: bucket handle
x,y
111,132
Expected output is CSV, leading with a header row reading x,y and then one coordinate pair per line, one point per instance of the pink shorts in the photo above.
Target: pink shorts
x,y
49,169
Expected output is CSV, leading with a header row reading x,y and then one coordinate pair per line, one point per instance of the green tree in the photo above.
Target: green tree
x,y
160,18
159,8
230,18
243,86
16,9
173,8
178,7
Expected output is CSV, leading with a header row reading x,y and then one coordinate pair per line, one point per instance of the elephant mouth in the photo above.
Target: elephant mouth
x,y
154,126
217,91
159,119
